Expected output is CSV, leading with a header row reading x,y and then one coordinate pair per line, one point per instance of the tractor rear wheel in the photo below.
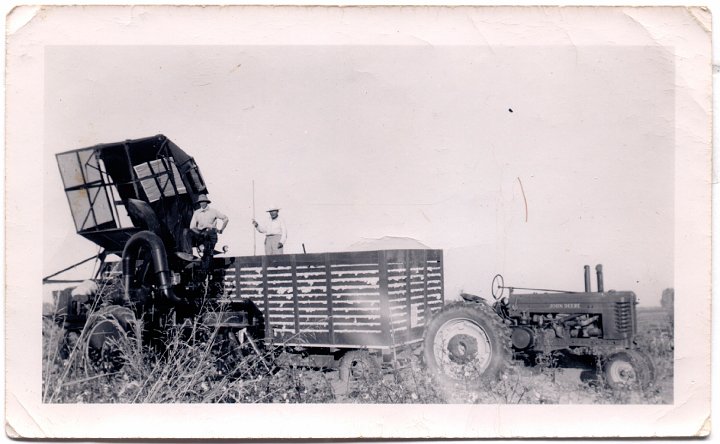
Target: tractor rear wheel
x,y
466,344
629,369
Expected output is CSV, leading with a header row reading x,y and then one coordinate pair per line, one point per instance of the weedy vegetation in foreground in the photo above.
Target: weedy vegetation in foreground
x,y
192,368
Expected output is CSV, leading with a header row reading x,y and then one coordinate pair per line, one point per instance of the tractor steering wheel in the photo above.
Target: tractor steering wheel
x,y
498,287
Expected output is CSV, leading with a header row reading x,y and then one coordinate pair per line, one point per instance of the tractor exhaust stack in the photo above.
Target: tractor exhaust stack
x,y
587,279
599,271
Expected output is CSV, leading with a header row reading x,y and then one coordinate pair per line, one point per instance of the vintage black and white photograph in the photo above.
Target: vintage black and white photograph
x,y
420,211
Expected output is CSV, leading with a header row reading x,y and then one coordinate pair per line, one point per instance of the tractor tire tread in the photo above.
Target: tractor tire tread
x,y
497,328
641,363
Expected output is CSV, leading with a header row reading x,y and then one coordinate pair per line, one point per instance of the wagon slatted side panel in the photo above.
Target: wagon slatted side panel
x,y
336,301
270,283
415,291
242,279
434,286
375,299
280,299
319,300
358,314
226,270
248,280
399,288
312,322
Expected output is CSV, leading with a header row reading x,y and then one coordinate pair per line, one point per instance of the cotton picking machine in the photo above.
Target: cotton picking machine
x,y
135,199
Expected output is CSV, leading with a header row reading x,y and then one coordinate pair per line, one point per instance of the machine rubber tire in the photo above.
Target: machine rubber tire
x,y
649,366
107,325
358,365
628,369
68,342
466,344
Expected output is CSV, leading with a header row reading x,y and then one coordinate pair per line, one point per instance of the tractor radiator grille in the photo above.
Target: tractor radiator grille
x,y
624,317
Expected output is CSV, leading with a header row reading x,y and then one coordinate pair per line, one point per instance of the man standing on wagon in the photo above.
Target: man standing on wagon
x,y
203,230
274,230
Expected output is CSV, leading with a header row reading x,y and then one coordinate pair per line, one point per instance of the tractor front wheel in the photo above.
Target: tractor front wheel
x,y
629,369
466,344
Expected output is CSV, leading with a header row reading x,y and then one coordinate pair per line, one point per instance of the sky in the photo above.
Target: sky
x,y
525,161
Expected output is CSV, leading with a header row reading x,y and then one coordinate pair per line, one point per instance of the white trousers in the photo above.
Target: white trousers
x,y
271,244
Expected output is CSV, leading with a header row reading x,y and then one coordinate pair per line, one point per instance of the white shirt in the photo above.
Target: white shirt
x,y
206,218
274,227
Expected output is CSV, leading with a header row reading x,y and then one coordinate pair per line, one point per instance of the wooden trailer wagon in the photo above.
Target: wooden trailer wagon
x,y
340,308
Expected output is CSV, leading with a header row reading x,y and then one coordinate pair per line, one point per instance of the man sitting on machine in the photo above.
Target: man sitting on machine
x,y
202,231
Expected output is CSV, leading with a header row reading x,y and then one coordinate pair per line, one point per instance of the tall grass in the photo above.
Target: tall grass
x,y
198,364
195,363
656,337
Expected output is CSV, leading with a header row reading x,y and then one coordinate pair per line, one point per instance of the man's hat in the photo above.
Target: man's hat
x,y
273,208
202,198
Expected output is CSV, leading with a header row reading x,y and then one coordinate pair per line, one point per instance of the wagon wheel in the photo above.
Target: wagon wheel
x,y
358,365
629,369
466,344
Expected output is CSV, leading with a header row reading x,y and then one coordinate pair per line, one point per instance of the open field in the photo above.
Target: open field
x,y
189,371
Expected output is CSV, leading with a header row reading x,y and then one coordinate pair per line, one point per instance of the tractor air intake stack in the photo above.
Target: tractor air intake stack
x,y
587,279
598,270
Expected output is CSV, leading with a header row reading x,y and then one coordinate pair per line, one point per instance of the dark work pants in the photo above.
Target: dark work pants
x,y
207,237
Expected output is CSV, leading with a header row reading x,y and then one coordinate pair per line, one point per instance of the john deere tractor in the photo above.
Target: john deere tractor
x,y
472,341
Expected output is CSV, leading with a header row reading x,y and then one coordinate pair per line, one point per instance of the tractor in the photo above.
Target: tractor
x,y
472,341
